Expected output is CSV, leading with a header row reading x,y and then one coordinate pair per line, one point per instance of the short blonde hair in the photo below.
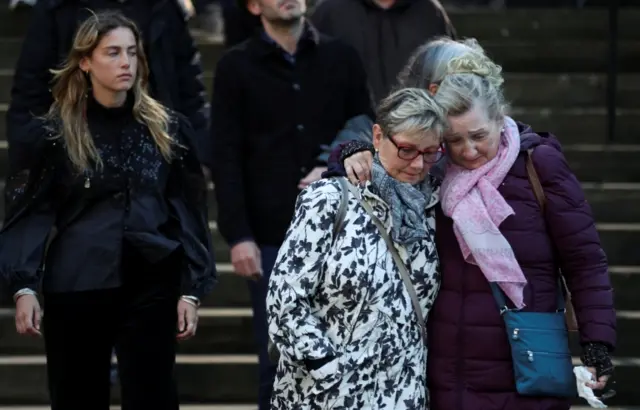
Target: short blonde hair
x,y
411,111
463,74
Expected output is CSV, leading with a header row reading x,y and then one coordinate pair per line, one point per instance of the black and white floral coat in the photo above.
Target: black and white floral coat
x,y
346,299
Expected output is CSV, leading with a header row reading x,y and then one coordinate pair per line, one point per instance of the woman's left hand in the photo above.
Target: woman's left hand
x,y
599,383
187,320
358,167
597,358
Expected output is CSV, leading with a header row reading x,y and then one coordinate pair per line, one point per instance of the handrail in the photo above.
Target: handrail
x,y
612,75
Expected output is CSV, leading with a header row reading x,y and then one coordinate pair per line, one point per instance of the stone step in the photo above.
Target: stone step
x,y
527,56
614,202
230,331
568,90
539,24
603,163
222,379
225,379
13,23
545,24
523,90
576,125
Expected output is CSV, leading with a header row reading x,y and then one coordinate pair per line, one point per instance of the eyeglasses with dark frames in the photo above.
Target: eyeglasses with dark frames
x,y
410,153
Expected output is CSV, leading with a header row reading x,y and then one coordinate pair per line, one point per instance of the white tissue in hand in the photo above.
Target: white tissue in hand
x,y
584,376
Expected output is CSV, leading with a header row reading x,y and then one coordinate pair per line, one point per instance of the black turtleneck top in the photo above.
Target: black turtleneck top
x,y
136,198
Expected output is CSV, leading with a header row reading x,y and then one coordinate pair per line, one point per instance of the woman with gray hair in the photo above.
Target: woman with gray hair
x,y
514,231
358,273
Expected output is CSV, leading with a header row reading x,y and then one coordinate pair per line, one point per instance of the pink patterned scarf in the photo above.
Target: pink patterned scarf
x,y
472,200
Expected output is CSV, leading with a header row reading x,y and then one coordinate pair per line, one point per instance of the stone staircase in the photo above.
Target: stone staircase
x,y
555,63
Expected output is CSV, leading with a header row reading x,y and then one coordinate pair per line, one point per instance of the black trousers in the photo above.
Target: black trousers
x,y
139,319
258,291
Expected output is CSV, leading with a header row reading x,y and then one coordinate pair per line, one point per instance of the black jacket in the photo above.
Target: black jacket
x,y
384,39
271,119
79,223
174,62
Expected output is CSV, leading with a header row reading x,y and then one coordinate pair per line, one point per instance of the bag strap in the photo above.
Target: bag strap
x,y
534,180
338,224
499,297
564,296
402,268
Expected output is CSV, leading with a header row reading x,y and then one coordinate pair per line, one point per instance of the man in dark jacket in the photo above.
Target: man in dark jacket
x,y
384,32
176,74
239,24
278,99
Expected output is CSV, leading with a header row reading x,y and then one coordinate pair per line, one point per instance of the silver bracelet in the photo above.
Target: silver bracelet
x,y
22,292
192,300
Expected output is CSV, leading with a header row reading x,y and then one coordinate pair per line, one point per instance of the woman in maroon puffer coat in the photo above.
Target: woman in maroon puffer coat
x,y
470,366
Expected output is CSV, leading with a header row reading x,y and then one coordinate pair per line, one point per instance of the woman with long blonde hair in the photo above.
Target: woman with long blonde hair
x,y
106,217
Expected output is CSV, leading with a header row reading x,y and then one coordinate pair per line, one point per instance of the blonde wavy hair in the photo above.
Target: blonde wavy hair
x,y
459,74
71,88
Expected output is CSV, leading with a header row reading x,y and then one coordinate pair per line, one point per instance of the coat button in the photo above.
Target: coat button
x,y
300,127
296,86
303,170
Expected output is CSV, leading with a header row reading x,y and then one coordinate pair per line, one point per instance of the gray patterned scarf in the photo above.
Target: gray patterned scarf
x,y
406,202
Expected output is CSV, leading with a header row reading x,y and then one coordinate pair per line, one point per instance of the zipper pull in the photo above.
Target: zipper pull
x,y
87,183
530,355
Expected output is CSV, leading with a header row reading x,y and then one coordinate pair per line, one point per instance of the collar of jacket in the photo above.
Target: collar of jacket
x,y
310,36
399,4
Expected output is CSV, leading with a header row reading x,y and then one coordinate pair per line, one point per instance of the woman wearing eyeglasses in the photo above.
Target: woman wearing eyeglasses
x,y
358,272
